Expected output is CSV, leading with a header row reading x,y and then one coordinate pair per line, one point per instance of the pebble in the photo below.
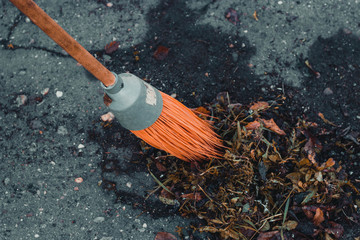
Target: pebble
x,y
62,130
21,100
22,72
81,146
99,219
45,91
129,184
59,94
328,91
6,181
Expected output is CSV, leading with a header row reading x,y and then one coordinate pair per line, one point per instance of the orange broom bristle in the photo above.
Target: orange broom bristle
x,y
181,133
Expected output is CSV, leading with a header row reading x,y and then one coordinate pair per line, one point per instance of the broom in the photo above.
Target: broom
x,y
155,117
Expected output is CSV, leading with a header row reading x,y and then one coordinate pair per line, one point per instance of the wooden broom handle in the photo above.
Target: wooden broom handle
x,y
64,40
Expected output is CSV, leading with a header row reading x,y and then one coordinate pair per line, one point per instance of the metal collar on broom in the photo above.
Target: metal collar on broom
x,y
158,119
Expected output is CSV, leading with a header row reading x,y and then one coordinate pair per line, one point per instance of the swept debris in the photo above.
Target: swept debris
x,y
273,182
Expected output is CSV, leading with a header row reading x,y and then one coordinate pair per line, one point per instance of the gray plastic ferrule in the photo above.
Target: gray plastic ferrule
x,y
135,103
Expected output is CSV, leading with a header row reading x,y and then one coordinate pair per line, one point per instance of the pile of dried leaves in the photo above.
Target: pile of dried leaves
x,y
273,181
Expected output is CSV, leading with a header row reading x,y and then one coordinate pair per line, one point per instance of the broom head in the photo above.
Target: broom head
x,y
181,133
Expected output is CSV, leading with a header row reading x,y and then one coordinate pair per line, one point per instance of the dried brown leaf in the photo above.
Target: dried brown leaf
x,y
328,164
270,124
336,229
294,177
160,167
202,110
309,214
161,53
268,235
259,106
252,125
319,217
290,225
165,236
166,198
112,47
192,196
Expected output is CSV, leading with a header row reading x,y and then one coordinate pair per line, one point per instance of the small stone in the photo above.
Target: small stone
x,y
21,100
59,94
81,146
108,117
79,180
6,181
280,2
109,4
45,91
36,235
99,219
129,184
62,130
173,95
22,72
328,91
